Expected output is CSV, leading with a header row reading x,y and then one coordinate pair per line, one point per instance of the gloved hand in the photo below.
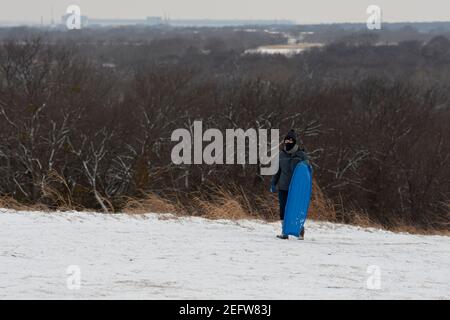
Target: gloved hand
x,y
273,188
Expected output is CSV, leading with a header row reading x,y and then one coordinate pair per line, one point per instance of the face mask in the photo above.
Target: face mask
x,y
289,146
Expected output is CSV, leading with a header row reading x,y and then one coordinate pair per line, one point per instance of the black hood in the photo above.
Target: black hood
x,y
291,135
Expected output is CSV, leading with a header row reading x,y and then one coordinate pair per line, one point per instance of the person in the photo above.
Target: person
x,y
291,154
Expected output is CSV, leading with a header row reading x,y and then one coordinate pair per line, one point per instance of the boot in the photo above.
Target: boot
x,y
302,235
282,236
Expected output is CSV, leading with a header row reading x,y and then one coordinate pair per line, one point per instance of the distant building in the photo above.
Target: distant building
x,y
153,21
116,22
156,21
149,21
227,23
288,50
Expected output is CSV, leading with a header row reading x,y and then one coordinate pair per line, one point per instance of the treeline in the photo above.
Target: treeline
x,y
86,126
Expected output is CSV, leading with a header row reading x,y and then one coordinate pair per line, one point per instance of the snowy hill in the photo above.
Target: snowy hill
x,y
157,257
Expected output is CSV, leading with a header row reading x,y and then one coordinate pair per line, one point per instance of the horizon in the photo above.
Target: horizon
x,y
302,12
57,20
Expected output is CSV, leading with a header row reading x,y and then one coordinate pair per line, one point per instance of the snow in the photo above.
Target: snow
x,y
165,257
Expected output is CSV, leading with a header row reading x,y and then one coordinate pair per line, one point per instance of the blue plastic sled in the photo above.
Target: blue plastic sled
x,y
299,197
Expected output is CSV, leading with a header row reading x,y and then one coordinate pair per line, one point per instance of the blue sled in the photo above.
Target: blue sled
x,y
299,198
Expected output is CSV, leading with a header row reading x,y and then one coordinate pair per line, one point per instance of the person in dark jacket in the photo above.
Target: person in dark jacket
x,y
290,155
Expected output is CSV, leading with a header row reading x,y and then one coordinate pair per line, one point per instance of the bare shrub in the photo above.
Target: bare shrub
x,y
74,134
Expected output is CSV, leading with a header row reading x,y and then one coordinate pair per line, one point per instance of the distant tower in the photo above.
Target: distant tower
x,y
42,21
166,18
52,22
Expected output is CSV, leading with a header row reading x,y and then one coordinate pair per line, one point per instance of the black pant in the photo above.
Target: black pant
x,y
282,199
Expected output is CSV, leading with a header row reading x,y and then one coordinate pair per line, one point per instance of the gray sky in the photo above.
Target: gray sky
x,y
302,11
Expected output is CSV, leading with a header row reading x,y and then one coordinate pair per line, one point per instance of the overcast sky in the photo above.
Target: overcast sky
x,y
301,11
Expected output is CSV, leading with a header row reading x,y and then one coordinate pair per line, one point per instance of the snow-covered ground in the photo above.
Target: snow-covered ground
x,y
153,257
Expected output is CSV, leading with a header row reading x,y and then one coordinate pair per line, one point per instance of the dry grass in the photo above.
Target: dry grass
x,y
232,203
419,230
223,209
321,208
152,203
440,225
235,204
359,218
224,205
267,205
8,202
52,186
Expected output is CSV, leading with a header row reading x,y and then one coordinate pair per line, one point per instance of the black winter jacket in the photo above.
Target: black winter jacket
x,y
287,164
